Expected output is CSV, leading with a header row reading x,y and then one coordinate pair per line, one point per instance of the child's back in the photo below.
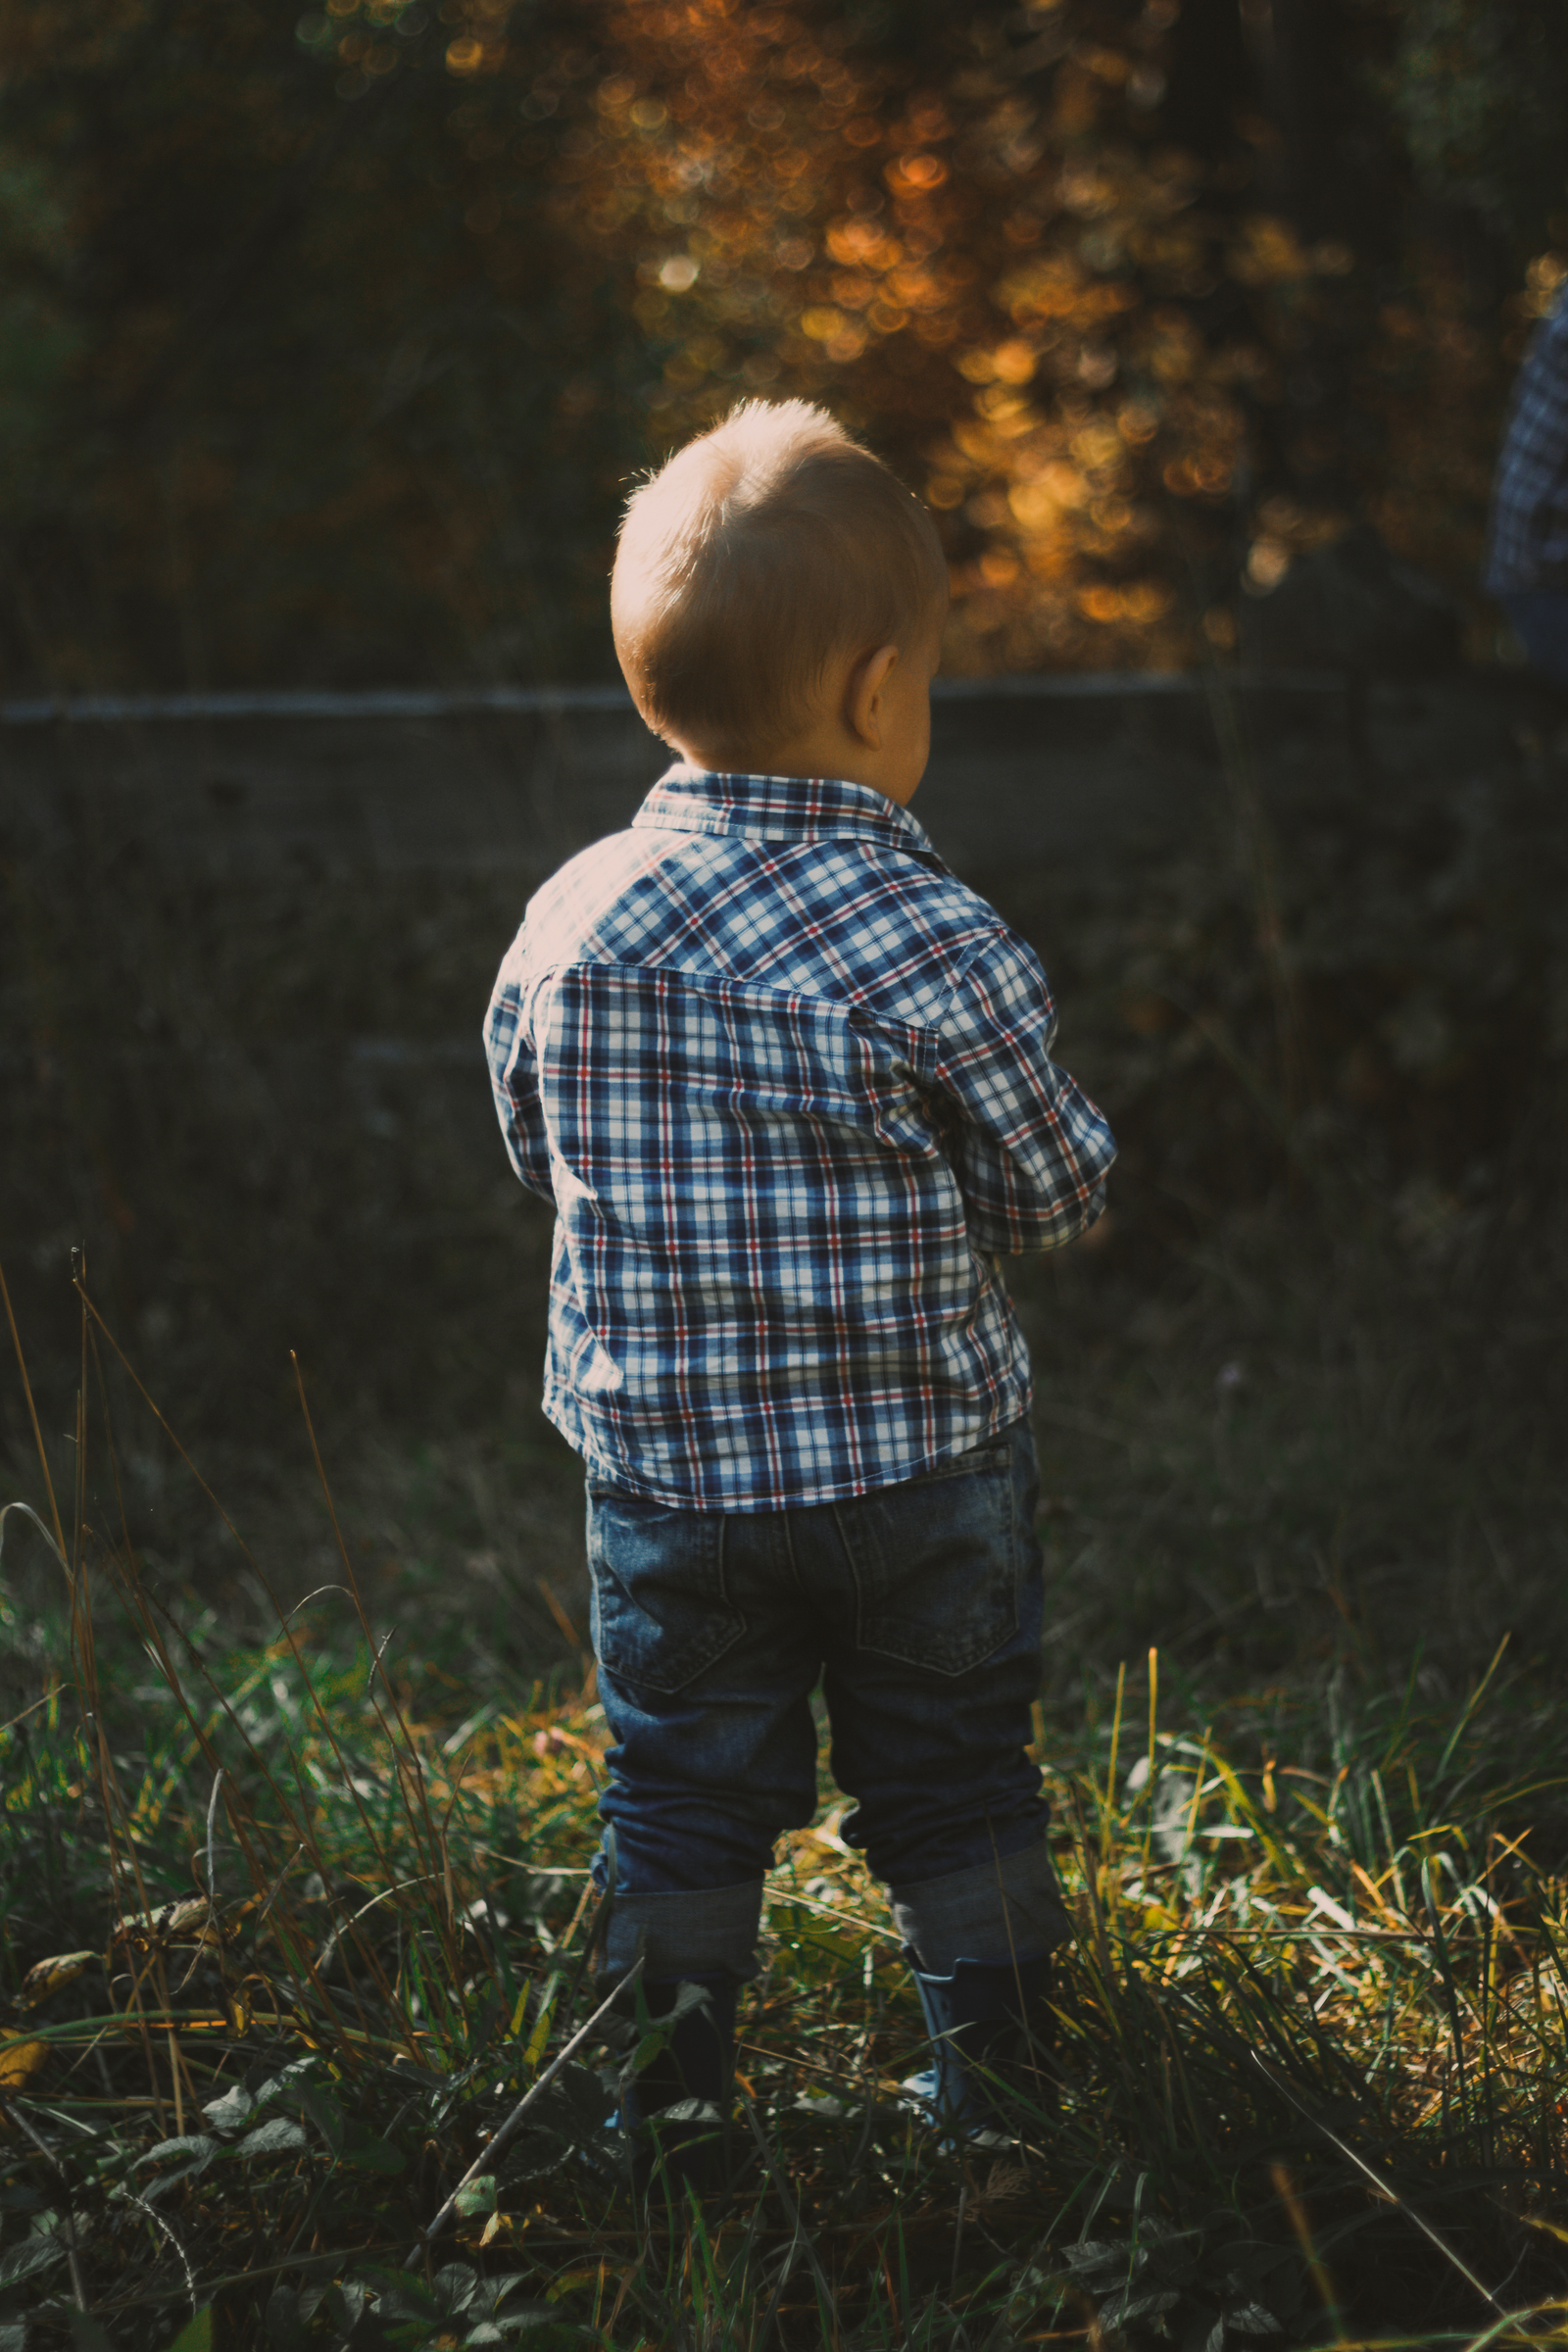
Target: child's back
x,y
788,1084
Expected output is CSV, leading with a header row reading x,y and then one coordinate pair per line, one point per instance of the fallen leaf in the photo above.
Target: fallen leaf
x,y
48,1976
19,2061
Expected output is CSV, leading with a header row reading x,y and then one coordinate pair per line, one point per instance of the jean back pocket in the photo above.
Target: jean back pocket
x,y
660,1612
936,1564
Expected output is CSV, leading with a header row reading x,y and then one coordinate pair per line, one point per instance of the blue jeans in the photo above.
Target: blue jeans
x,y
920,1607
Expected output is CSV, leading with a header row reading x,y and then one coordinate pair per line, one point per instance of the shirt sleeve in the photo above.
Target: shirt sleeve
x,y
1031,1150
514,1077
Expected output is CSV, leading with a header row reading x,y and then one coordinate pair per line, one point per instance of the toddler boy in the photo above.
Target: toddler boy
x,y
788,1085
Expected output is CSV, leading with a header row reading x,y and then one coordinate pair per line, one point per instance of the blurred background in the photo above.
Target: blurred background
x,y
330,344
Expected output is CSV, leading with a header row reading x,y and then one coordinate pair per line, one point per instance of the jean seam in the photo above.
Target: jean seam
x,y
726,1605
787,1521
853,1556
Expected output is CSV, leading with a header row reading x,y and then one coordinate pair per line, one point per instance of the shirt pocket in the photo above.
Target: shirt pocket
x,y
936,1564
661,1613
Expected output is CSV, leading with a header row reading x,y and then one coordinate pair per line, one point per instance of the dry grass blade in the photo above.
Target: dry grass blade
x,y
799,2237
507,2131
32,1416
25,1511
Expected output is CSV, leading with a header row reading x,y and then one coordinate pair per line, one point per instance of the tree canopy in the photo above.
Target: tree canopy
x,y
328,342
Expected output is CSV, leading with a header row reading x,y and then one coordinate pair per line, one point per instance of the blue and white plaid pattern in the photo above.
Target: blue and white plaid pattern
x,y
788,1084
1527,542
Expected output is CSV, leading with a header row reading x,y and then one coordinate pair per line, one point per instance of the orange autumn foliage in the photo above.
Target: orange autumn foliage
x,y
346,336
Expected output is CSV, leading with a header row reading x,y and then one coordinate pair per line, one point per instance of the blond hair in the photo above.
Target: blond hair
x,y
761,551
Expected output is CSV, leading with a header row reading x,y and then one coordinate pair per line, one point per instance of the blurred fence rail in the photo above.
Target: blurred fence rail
x,y
402,781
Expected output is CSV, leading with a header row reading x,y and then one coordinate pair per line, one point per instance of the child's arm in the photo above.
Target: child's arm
x,y
1032,1150
511,1077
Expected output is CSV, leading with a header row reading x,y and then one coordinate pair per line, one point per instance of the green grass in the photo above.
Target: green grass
x,y
292,1925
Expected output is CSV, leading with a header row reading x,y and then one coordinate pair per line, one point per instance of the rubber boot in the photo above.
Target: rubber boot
x,y
676,2111
990,2034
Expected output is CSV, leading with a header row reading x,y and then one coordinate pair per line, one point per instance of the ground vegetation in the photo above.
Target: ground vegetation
x,y
301,2047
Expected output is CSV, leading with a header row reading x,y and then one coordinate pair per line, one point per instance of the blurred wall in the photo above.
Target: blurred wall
x,y
248,942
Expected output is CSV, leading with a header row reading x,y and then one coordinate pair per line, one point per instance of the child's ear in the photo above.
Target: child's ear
x,y
863,702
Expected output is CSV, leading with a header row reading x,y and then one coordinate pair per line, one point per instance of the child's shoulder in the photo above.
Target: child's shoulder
x,y
565,913
831,917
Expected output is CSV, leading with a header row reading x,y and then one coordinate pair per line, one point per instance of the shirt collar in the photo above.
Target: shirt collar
x,y
695,800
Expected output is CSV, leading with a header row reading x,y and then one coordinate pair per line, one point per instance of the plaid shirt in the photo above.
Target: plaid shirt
x,y
788,1084
1527,543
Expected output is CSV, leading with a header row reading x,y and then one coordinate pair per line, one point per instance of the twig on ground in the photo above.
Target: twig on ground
x,y
498,2141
